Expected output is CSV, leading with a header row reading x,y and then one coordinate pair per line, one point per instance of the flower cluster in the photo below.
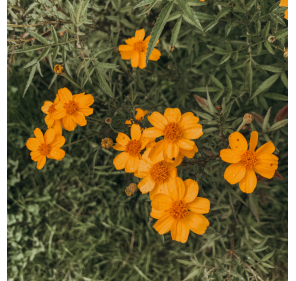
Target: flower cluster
x,y
66,112
174,203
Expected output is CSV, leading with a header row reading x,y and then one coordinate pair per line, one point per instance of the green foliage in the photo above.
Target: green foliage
x,y
72,220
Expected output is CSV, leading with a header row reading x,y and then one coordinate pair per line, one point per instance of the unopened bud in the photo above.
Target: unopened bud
x,y
172,48
248,118
107,143
59,69
108,120
170,66
131,189
271,39
244,127
259,7
285,53
219,107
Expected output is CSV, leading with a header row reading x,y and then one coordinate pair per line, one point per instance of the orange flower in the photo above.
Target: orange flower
x,y
246,162
177,131
284,3
130,158
48,108
47,146
179,211
72,109
285,53
157,175
136,50
139,116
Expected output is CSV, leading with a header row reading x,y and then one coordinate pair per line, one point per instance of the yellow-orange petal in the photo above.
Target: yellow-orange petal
x,y
49,136
185,143
230,155
191,190
86,111
59,113
143,169
161,202
79,118
140,34
144,141
249,181
159,147
84,101
68,123
56,100
58,141
35,155
235,173
189,153
176,189
38,134
49,121
126,55
284,3
152,133
253,141
172,115
155,55
264,171
46,106
136,132
140,114
135,59
146,185
265,148
194,132
41,163
164,224
238,142
119,147
131,41
65,95
57,126
57,153
122,139
157,120
125,48
286,14
180,230
142,60
33,144
120,160
170,151
157,214
188,120
132,164
199,205
197,223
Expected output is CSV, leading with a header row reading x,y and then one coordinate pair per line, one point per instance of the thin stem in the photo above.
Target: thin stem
x,y
80,140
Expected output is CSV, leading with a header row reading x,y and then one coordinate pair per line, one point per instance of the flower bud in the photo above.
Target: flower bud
x,y
131,189
285,53
172,48
59,69
248,118
108,120
219,107
107,143
259,7
271,39
170,66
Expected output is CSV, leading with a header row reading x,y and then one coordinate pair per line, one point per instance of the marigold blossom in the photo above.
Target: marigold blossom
x,y
157,175
47,146
129,159
179,210
72,109
246,162
136,50
284,3
139,116
49,108
177,129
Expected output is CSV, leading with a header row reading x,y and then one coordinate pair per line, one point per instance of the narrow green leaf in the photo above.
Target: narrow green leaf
x,y
84,6
55,52
250,78
250,5
175,32
158,27
31,76
211,107
33,5
236,196
204,89
143,3
225,59
44,54
154,2
278,125
284,79
223,13
31,63
271,68
281,34
217,82
259,48
39,37
275,96
266,84
202,114
265,121
228,81
277,19
104,85
39,69
203,16
254,209
266,30
192,274
189,13
87,72
218,50
269,47
54,35
72,14
268,256
52,80
211,25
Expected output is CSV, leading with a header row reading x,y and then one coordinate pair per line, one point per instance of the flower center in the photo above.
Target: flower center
x,y
52,108
133,147
71,107
44,149
139,46
159,172
172,131
179,210
249,159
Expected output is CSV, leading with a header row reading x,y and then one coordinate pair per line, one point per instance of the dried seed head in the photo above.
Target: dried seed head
x,y
271,39
259,7
248,118
59,69
169,66
285,53
172,48
131,189
108,120
107,143
219,107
